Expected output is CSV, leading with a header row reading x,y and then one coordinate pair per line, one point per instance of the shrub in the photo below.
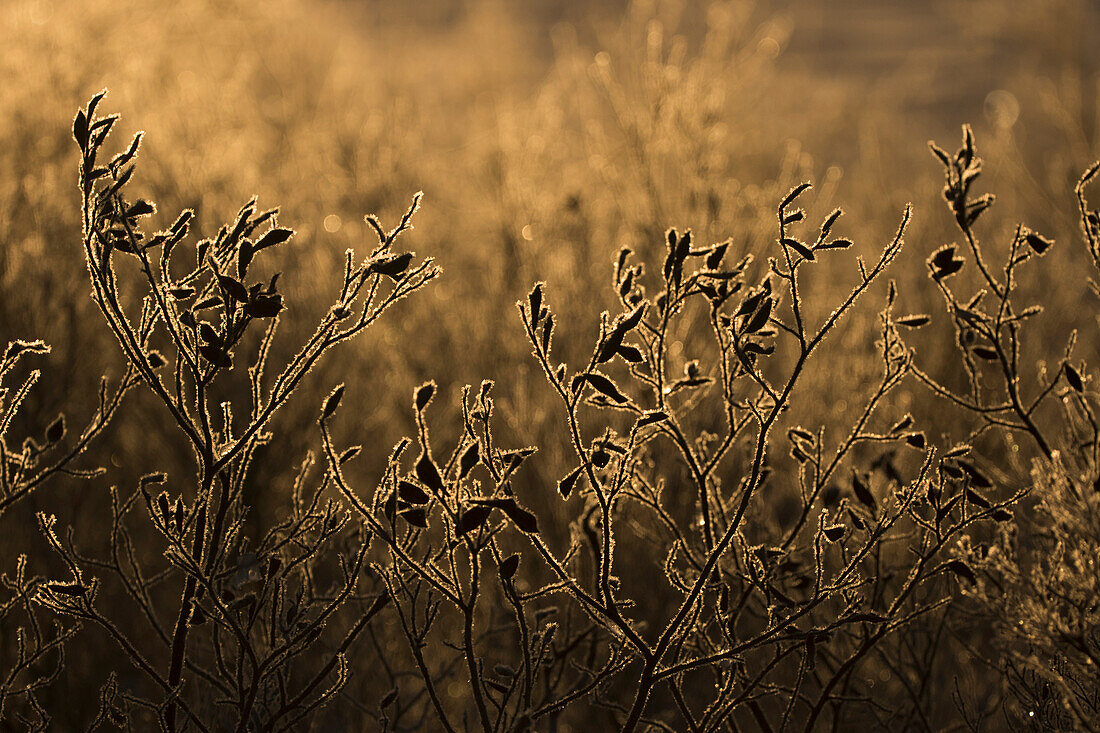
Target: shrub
x,y
725,564
182,338
1036,578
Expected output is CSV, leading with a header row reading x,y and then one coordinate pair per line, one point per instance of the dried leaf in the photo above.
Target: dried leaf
x,y
412,493
417,516
605,386
1074,378
391,267
565,486
427,472
472,518
509,566
468,460
424,395
332,402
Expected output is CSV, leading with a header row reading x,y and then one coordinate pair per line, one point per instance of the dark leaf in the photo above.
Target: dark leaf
x,y
424,395
391,267
605,386
714,259
56,430
427,472
469,459
959,450
498,686
952,471
332,402
902,424
125,157
534,299
755,348
631,321
524,520
1074,378
412,493
961,570
984,352
801,433
416,516
944,510
916,440
508,567
244,258
80,129
271,238
17,347
798,247
264,306
1038,243
472,518
975,208
760,318
863,492
547,331
233,288
141,207
614,339
208,334
565,486
749,304
513,459
943,262
215,355
630,354
794,193
834,532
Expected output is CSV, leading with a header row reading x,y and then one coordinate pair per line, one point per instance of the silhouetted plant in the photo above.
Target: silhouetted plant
x,y
765,625
256,603
1036,579
676,598
987,325
24,470
35,655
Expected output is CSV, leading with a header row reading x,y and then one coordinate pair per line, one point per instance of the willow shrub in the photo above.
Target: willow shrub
x,y
435,598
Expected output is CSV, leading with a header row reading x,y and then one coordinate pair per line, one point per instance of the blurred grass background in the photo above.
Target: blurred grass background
x,y
545,135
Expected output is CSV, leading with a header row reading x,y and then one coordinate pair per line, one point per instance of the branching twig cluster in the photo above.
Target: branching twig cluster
x,y
674,601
